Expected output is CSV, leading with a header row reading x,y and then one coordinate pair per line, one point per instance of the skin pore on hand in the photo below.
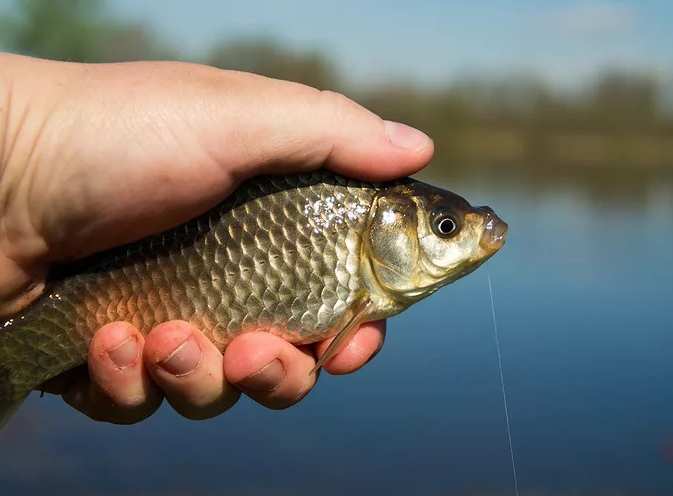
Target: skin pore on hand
x,y
97,155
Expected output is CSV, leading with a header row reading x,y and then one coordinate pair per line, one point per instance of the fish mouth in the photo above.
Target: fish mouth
x,y
495,232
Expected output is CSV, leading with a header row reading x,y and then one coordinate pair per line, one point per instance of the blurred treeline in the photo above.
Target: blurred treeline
x,y
618,122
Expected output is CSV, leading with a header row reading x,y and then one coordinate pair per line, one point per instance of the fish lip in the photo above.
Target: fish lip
x,y
495,232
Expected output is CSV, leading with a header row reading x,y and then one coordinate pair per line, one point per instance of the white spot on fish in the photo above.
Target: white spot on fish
x,y
331,212
389,217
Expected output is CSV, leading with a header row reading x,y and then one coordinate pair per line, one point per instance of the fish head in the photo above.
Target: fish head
x,y
420,238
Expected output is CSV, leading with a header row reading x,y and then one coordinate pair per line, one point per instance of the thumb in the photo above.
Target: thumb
x,y
134,149
262,125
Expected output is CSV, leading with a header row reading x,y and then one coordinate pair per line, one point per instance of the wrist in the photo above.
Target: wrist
x,y
21,273
27,97
6,69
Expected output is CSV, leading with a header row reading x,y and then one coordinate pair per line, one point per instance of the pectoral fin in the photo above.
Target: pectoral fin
x,y
349,324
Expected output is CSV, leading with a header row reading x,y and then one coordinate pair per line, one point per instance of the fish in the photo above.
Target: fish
x,y
305,256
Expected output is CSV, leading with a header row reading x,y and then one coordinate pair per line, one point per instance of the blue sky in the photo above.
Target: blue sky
x,y
430,40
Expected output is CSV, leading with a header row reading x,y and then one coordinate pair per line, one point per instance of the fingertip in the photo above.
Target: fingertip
x,y
324,129
165,338
269,370
110,336
117,389
115,364
249,352
188,368
410,140
367,147
359,351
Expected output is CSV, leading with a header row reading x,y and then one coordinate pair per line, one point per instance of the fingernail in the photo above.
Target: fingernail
x,y
184,359
405,136
265,380
125,354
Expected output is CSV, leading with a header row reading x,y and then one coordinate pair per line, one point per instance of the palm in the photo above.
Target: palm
x,y
124,170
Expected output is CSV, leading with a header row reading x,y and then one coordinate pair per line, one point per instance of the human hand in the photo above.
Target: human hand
x,y
94,156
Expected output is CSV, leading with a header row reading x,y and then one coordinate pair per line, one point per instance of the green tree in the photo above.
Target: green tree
x,y
273,60
622,100
75,30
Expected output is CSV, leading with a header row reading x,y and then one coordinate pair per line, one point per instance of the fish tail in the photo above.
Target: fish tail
x,y
34,347
10,401
12,394
17,370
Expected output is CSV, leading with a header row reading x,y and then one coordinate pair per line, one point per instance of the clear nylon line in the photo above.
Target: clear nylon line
x,y
502,383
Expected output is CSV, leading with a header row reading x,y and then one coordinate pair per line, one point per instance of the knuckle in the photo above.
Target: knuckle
x,y
126,409
285,400
204,410
339,108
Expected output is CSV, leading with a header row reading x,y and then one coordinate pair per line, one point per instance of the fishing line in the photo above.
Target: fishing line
x,y
502,383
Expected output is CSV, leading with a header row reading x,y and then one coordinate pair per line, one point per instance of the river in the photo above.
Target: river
x,y
583,295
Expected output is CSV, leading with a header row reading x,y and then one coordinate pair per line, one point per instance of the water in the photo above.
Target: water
x,y
583,291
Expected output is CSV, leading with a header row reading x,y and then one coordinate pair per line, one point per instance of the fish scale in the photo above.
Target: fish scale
x,y
255,261
282,253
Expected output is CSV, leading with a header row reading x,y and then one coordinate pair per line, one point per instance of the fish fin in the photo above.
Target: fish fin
x,y
355,317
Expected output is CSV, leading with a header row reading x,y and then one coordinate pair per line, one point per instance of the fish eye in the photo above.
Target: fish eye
x,y
444,224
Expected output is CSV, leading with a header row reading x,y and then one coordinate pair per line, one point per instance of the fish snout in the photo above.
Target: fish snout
x,y
495,231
